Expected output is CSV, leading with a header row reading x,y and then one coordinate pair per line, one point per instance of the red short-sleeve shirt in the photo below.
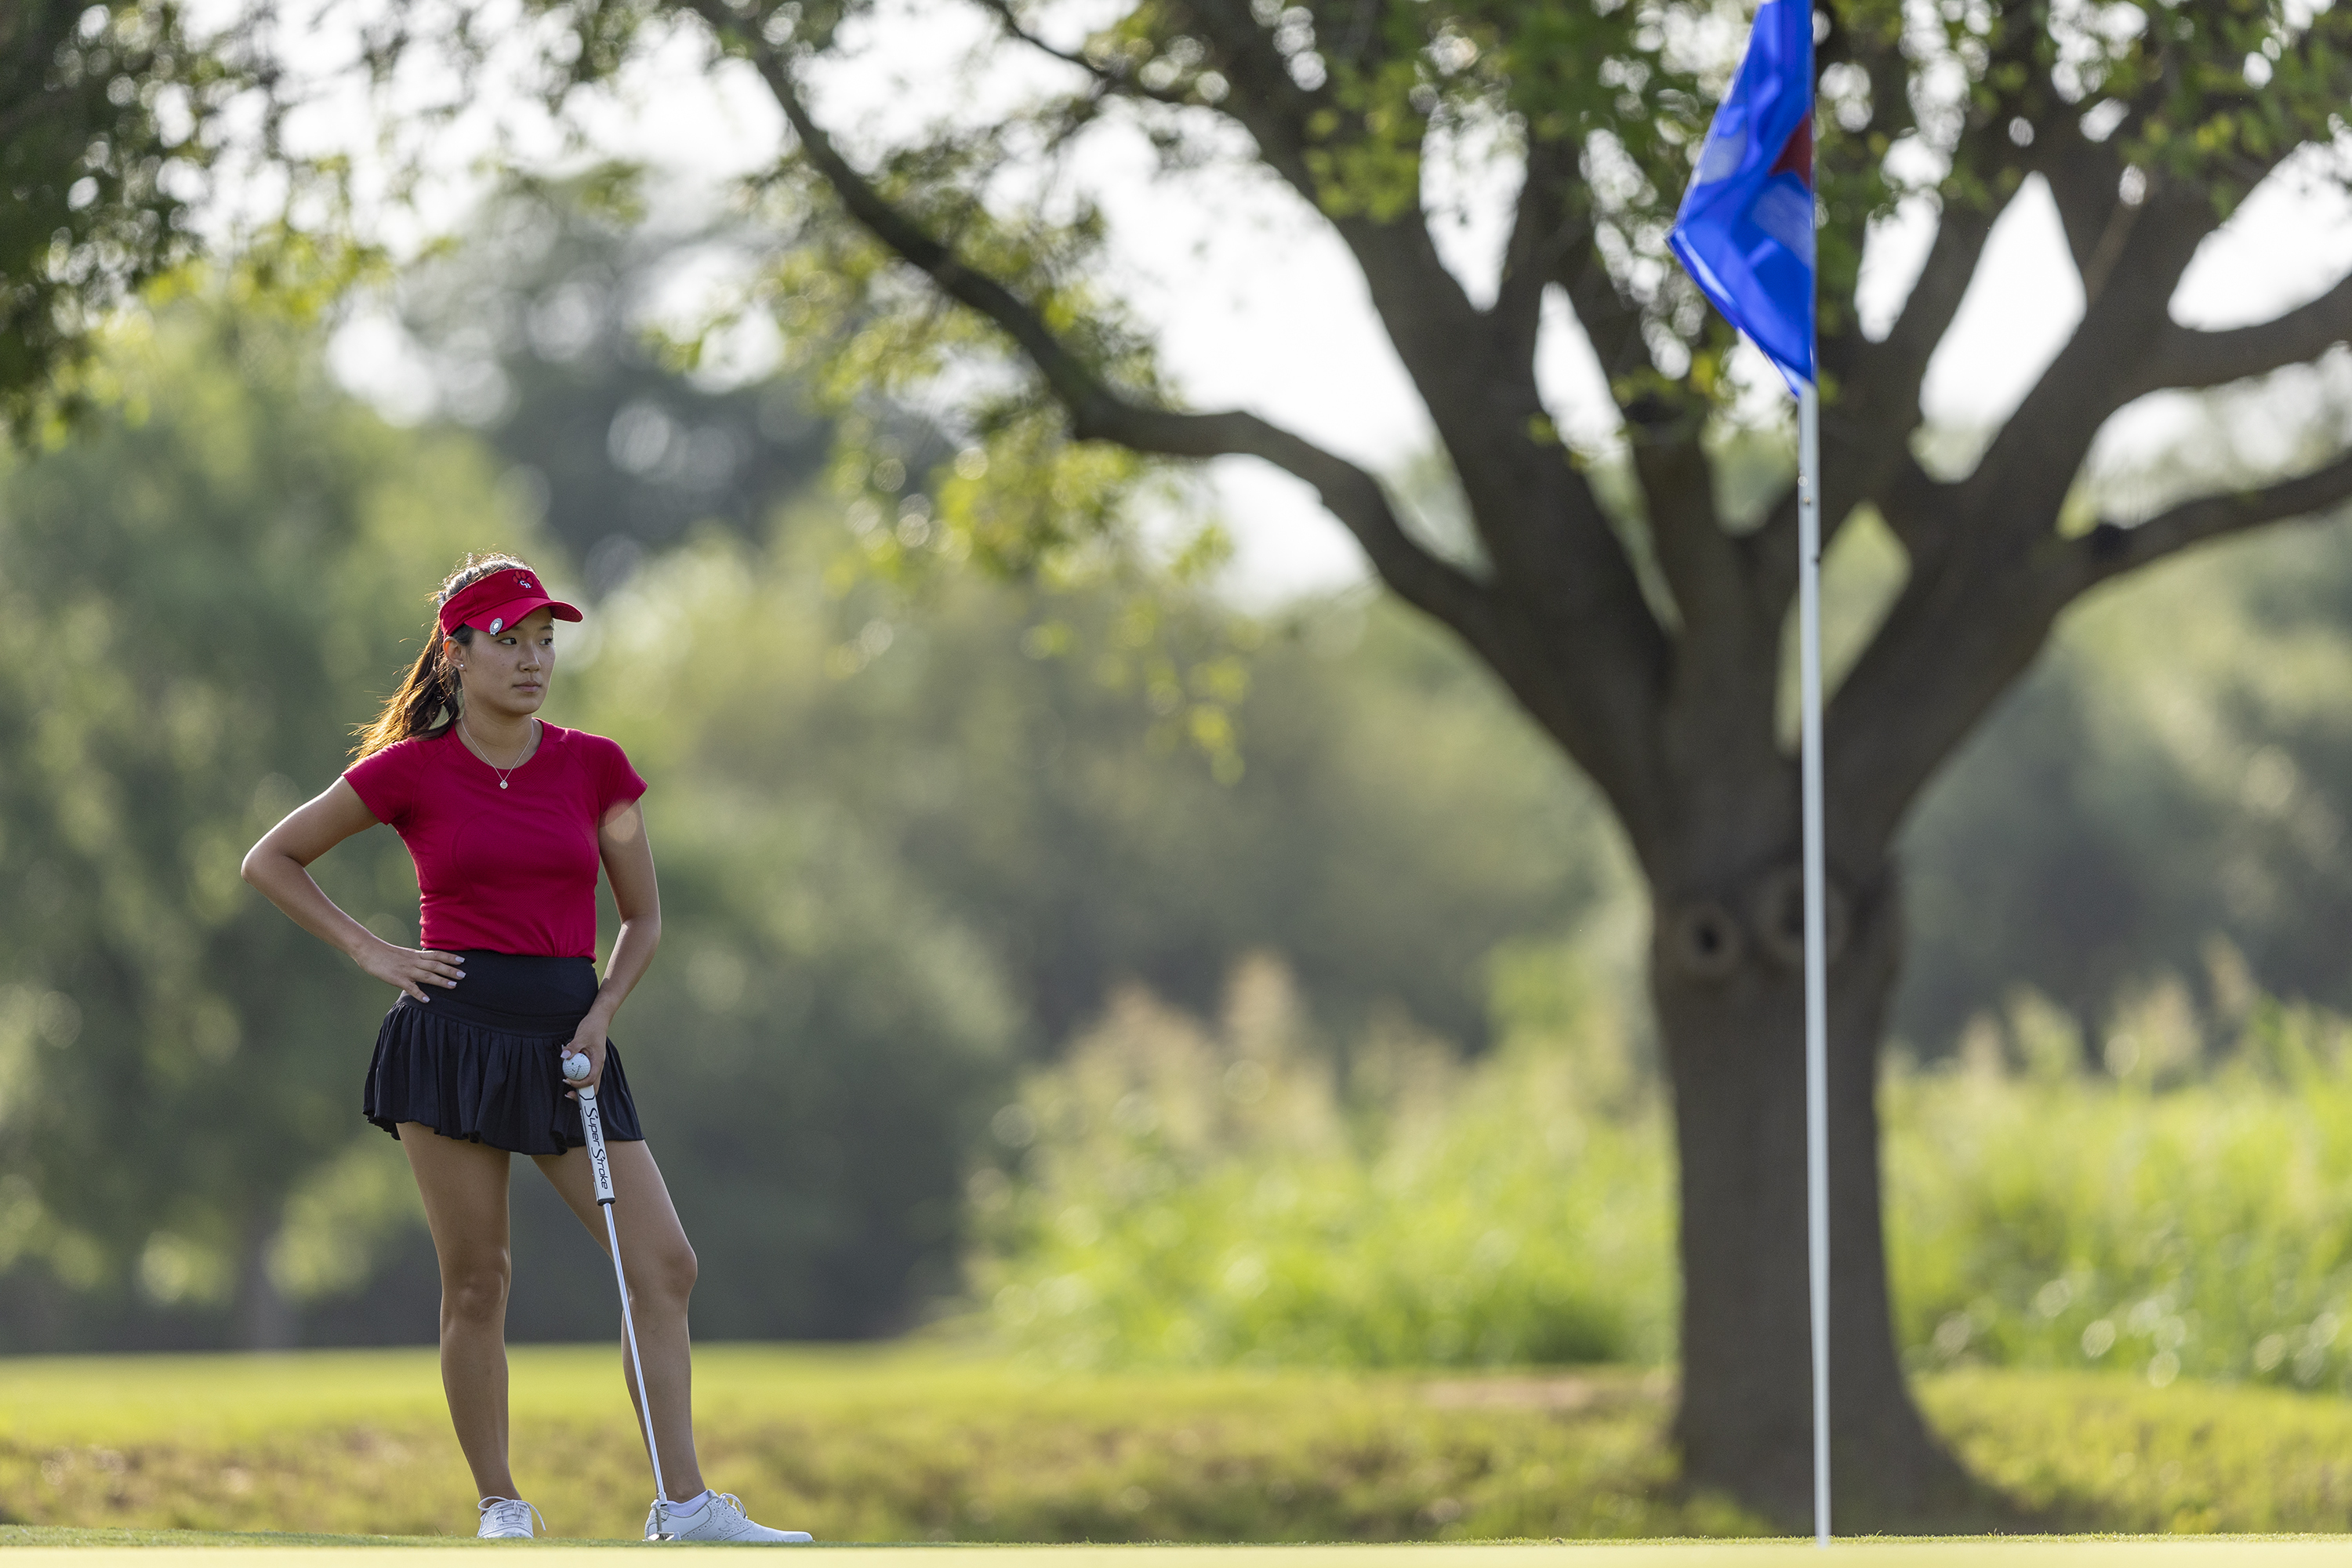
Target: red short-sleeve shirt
x,y
509,871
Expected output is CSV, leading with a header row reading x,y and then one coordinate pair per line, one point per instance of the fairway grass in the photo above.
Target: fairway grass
x,y
896,1444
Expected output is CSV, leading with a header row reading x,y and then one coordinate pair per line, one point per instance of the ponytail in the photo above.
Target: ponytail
x,y
425,704
428,700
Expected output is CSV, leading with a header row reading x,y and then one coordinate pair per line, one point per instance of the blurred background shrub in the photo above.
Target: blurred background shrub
x,y
1198,1196
1172,1194
2183,1213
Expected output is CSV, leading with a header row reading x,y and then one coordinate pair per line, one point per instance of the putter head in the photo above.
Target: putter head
x,y
658,1522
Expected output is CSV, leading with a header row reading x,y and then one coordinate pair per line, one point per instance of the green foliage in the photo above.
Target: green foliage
x,y
2222,91
2160,1220
1352,105
1190,1199
203,597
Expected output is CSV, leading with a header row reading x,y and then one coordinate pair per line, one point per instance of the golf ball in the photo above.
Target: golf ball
x,y
575,1068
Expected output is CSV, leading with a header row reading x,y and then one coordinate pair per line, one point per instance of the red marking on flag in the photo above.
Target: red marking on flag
x,y
1797,157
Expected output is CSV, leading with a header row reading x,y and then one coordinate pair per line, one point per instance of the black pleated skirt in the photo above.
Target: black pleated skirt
x,y
483,1060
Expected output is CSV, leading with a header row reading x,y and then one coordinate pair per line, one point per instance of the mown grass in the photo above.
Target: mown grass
x,y
2106,1451
899,1444
852,1445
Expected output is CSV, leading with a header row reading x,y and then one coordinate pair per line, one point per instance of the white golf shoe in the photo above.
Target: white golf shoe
x,y
507,1519
718,1516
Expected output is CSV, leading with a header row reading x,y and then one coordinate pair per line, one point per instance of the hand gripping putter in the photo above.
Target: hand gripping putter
x,y
592,1121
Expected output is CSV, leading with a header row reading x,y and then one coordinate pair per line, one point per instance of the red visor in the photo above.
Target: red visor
x,y
494,603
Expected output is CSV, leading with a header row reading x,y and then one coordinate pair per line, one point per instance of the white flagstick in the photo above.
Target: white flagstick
x,y
1817,1142
592,1121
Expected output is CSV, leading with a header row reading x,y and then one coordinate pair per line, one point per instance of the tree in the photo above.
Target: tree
x,y
533,330
111,121
1646,643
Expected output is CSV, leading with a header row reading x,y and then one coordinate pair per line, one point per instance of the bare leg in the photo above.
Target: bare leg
x,y
659,1264
465,1189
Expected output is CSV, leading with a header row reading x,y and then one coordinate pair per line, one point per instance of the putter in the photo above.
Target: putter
x,y
592,1121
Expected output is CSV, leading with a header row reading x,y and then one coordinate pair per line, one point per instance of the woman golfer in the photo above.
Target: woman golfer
x,y
508,819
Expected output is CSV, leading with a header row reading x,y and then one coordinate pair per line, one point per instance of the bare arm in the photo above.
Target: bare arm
x,y
279,867
629,867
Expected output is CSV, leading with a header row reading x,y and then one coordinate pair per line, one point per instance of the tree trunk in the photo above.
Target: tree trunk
x,y
1727,979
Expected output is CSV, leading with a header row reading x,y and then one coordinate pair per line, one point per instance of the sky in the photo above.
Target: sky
x,y
1259,306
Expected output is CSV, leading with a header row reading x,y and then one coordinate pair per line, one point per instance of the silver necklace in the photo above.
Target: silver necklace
x,y
494,767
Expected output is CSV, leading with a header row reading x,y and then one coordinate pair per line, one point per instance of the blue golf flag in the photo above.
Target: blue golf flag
x,y
1745,232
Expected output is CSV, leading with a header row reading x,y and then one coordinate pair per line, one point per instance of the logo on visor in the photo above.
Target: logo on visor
x,y
496,622
524,582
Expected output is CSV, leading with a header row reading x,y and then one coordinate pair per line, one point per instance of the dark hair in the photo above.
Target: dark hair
x,y
428,702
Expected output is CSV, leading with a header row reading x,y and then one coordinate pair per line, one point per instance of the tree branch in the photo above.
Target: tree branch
x,y
1866,427
1612,323
1121,82
1698,560
1475,370
2185,357
1566,591
2111,549
1264,99
1716,693
1541,233
2027,470
2096,220
1959,638
1534,515
1564,594
1913,504
1886,375
1099,411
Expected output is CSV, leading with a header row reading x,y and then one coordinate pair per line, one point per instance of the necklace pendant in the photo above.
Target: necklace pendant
x,y
503,783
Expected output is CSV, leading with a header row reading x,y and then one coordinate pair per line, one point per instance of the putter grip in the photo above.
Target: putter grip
x,y
592,1121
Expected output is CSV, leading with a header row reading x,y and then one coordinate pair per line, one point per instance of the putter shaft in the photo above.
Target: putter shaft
x,y
591,1120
